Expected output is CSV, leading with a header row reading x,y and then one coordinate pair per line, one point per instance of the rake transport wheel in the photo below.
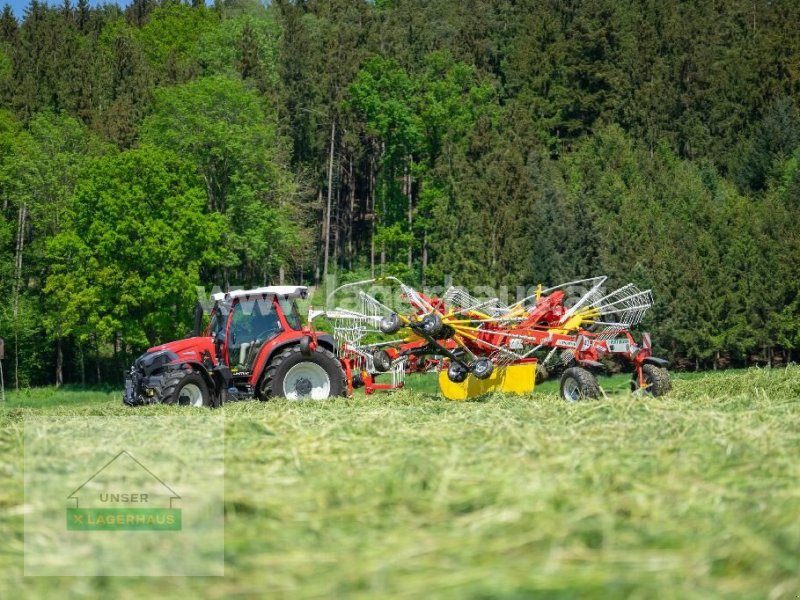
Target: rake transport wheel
x,y
541,374
456,373
186,389
382,361
296,376
390,324
483,368
431,324
656,380
579,384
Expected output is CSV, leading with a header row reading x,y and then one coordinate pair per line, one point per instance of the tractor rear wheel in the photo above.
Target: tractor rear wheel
x,y
579,384
295,376
186,389
656,380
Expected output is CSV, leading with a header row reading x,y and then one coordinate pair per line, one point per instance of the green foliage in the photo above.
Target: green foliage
x,y
132,250
220,125
243,46
491,143
170,36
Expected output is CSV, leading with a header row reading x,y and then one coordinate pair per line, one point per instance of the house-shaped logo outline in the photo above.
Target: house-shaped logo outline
x,y
173,494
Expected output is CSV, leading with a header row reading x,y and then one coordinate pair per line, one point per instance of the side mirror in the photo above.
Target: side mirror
x,y
198,319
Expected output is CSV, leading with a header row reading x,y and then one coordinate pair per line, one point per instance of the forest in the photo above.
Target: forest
x,y
149,149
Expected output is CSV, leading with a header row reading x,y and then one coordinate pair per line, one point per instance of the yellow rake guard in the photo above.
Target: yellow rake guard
x,y
512,379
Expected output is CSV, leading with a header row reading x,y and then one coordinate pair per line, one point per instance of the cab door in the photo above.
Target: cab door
x,y
252,323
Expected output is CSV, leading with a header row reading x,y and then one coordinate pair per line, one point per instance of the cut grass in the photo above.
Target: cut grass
x,y
696,494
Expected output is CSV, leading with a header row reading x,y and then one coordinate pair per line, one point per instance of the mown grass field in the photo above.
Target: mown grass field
x,y
694,495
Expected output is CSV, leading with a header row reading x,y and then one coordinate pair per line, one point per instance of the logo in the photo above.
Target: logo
x,y
123,495
619,345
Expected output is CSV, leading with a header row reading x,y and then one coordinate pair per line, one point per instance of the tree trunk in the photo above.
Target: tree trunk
x,y
351,217
410,208
20,246
336,231
97,359
372,219
16,358
424,256
123,348
83,364
59,363
330,195
281,275
115,348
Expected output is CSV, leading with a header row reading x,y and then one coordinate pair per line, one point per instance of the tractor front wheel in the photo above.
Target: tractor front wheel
x,y
579,384
296,376
186,389
656,380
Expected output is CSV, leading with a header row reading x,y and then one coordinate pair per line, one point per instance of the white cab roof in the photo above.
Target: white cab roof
x,y
292,291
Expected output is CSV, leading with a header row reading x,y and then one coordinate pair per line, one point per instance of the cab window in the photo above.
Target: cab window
x,y
289,308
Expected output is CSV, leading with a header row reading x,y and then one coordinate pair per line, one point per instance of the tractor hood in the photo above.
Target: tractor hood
x,y
195,349
189,349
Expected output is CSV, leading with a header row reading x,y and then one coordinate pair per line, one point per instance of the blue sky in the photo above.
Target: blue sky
x,y
18,6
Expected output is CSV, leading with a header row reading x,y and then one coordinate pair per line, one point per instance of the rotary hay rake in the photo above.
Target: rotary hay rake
x,y
483,345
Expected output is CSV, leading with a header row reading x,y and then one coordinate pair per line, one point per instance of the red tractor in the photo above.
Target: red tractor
x,y
254,346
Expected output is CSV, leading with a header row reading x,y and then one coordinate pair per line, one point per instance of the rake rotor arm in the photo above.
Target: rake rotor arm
x,y
435,346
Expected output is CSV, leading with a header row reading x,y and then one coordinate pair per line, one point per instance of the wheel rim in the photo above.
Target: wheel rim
x,y
191,395
306,381
572,391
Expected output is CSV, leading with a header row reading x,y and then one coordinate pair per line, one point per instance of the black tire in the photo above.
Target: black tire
x,y
482,369
579,384
656,379
279,365
456,373
431,324
381,361
541,374
391,324
177,388
665,377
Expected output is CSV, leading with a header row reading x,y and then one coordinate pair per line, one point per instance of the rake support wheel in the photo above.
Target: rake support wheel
x,y
579,384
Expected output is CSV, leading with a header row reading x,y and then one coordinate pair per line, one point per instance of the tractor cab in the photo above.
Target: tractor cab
x,y
243,321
